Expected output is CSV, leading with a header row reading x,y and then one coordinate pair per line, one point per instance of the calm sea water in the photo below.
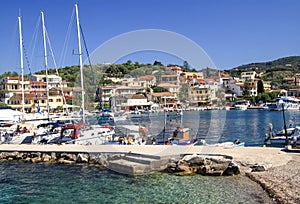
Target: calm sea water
x,y
216,126
53,183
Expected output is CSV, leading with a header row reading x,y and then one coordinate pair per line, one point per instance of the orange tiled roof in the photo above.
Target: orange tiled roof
x,y
146,78
162,94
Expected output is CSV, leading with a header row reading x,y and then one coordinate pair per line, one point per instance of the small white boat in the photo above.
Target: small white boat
x,y
120,118
236,143
242,105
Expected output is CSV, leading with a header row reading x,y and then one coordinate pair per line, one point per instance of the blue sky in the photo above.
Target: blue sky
x,y
231,32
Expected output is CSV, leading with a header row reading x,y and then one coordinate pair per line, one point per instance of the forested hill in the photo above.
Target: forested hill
x,y
275,71
291,63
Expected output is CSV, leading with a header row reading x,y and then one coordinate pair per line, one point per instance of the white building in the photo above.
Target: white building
x,y
248,76
53,80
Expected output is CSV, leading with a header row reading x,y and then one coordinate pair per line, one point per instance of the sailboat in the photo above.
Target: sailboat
x,y
83,133
27,131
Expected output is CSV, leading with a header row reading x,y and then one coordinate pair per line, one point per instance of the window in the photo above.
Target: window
x,y
58,100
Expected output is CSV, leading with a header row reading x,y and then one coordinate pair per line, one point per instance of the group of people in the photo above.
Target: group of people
x,y
19,129
132,141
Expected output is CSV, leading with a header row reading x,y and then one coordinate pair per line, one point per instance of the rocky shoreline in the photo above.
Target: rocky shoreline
x,y
282,183
61,157
206,165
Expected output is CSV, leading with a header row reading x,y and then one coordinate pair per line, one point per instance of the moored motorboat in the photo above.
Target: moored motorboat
x,y
241,105
288,103
85,134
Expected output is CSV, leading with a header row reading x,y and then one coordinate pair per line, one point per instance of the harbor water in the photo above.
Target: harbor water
x,y
216,126
56,183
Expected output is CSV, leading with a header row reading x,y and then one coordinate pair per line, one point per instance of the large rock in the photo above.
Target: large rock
x,y
53,156
35,159
68,156
258,168
35,154
11,155
46,157
183,166
63,161
194,160
82,158
93,159
232,169
19,156
101,159
171,167
204,165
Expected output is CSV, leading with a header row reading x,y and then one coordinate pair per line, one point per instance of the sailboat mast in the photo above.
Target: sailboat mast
x,y
46,62
165,121
21,63
80,61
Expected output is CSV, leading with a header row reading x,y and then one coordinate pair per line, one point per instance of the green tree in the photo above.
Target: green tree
x,y
157,63
183,92
3,105
273,95
186,66
260,87
246,92
157,89
264,97
7,74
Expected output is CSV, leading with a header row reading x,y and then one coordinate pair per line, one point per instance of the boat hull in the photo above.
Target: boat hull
x,y
180,142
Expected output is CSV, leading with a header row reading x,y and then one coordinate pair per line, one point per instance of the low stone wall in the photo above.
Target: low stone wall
x,y
204,165
61,157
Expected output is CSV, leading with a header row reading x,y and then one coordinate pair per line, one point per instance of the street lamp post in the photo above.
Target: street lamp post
x,y
284,123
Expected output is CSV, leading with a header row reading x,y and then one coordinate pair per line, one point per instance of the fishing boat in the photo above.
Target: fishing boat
x,y
280,138
179,136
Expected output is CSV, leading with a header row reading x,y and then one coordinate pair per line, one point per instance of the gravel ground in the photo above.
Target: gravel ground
x,y
281,182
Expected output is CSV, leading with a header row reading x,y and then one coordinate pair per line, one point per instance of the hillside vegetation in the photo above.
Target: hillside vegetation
x,y
274,71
